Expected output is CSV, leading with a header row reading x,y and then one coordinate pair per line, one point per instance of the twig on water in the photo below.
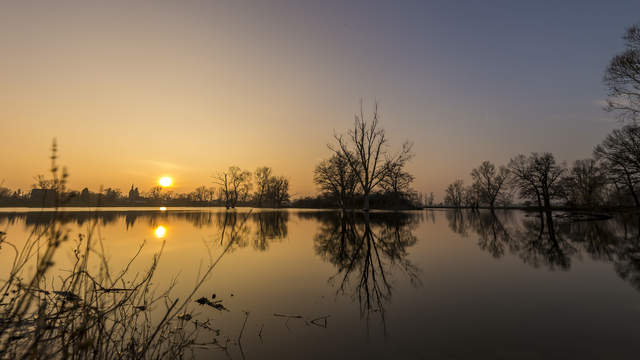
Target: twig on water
x,y
320,321
288,316
246,317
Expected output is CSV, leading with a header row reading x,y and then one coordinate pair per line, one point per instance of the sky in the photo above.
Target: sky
x,y
134,90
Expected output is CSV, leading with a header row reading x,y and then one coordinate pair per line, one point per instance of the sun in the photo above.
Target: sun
x,y
165,181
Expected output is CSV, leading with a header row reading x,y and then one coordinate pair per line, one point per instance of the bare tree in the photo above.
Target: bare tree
x,y
365,148
472,196
112,194
523,179
549,176
537,177
334,177
263,175
4,191
454,194
585,184
41,182
622,77
398,181
489,181
201,193
235,184
277,190
155,193
620,156
430,199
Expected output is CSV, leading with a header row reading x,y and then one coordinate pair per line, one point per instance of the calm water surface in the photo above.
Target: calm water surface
x,y
415,285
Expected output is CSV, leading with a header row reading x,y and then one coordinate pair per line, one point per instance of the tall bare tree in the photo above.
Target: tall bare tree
x,y
620,156
365,148
522,178
235,184
277,190
489,181
622,77
454,194
262,175
537,177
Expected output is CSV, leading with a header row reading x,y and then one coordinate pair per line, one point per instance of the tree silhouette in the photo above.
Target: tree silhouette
x,y
455,194
537,177
489,181
235,184
620,156
365,149
622,77
335,178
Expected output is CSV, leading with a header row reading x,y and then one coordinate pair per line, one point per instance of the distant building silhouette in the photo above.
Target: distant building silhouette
x,y
44,196
134,194
85,195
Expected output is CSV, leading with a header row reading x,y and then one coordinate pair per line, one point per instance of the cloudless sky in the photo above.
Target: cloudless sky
x,y
134,90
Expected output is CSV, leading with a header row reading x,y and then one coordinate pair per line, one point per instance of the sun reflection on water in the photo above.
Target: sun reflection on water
x,y
160,231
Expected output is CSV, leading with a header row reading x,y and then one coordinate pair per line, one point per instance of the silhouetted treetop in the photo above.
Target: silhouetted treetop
x,y
622,77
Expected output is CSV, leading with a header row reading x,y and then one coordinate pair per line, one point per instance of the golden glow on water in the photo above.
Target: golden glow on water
x,y
163,208
165,181
160,232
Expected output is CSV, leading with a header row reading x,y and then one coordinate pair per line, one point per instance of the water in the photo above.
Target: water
x,y
422,284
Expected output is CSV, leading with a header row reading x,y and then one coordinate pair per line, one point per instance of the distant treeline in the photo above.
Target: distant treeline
x,y
361,173
609,179
237,187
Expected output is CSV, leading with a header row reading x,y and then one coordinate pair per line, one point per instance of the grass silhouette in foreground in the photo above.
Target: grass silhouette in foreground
x,y
93,311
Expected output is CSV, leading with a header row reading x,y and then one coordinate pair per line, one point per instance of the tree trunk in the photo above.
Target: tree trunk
x,y
550,229
538,197
365,206
546,197
632,190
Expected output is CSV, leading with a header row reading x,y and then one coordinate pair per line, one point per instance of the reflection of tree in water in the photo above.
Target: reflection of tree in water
x,y
542,243
458,222
493,235
627,263
616,240
365,248
269,225
431,215
538,240
552,241
231,222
